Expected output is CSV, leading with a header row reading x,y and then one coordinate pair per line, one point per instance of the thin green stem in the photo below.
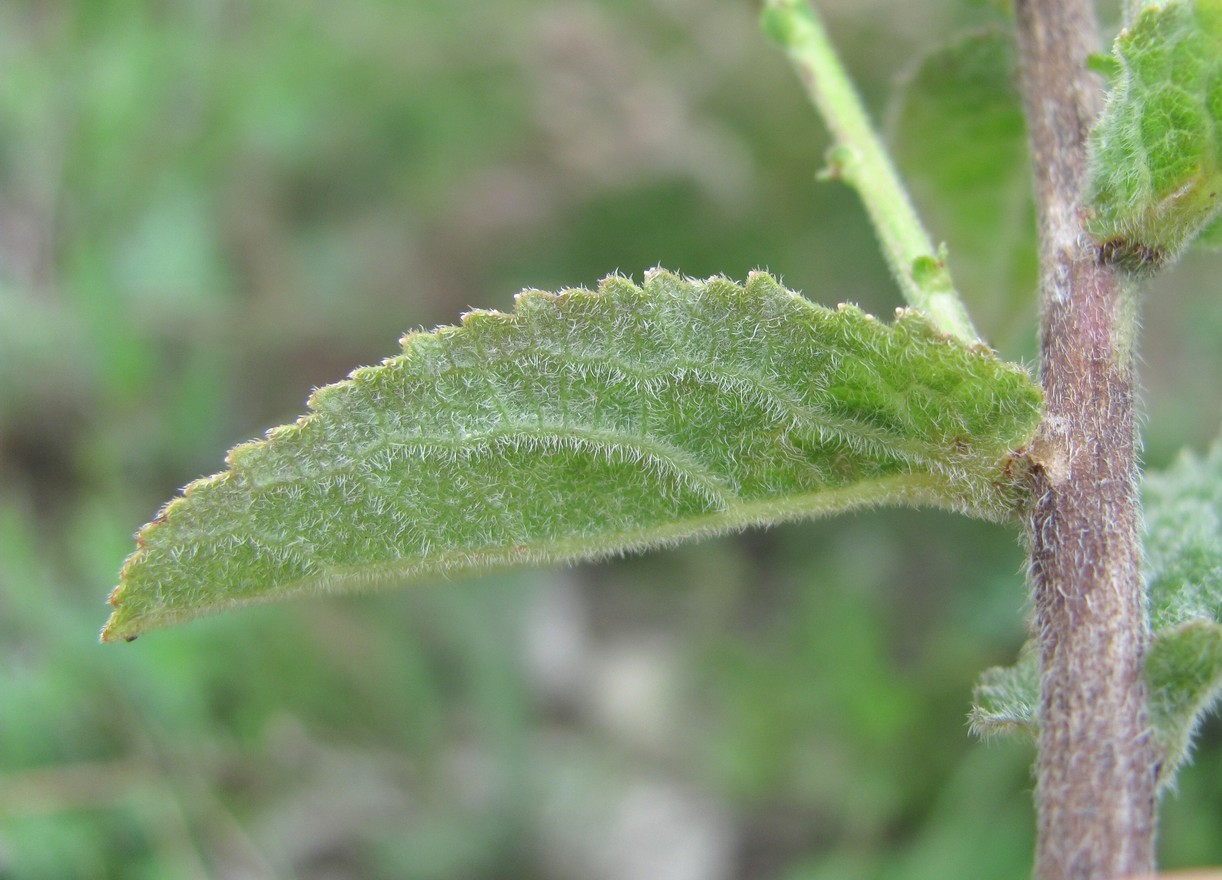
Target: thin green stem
x,y
860,160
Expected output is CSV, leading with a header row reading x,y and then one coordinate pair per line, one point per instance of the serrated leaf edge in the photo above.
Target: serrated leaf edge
x,y
936,487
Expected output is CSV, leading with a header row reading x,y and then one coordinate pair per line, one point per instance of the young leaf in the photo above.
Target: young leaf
x,y
1184,672
1183,507
1183,571
583,424
1183,510
1007,698
1156,165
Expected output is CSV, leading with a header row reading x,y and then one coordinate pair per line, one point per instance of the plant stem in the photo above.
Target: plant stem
x,y
860,160
1095,784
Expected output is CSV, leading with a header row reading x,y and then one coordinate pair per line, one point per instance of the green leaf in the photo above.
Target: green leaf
x,y
956,130
1007,698
1183,509
1183,573
586,424
1156,167
1183,564
1184,673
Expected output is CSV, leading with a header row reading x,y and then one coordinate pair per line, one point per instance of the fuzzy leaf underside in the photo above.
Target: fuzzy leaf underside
x,y
585,424
1156,158
1183,545
1007,698
1184,672
1183,573
1183,509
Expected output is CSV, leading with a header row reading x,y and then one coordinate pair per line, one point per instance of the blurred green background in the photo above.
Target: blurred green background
x,y
208,207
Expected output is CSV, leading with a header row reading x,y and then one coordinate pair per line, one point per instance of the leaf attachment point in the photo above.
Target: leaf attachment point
x,y
1183,508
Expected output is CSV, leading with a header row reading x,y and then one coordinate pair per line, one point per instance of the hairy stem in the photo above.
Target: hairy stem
x,y
860,160
1095,783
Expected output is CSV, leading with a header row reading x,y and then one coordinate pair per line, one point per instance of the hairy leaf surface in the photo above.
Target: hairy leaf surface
x,y
1156,167
1007,698
1183,509
1184,672
583,424
1183,573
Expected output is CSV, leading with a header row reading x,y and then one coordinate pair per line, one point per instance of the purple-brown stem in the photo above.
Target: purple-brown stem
x,y
1095,784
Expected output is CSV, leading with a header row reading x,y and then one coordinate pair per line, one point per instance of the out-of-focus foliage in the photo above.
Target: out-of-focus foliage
x,y
208,208
1183,564
1183,507
956,129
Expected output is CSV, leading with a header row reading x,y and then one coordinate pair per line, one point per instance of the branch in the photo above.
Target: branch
x,y
1095,774
860,160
